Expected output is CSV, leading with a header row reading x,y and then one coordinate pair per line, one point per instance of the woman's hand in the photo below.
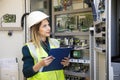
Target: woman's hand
x,y
65,61
44,62
47,60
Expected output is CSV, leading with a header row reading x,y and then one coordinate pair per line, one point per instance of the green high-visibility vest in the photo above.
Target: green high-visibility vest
x,y
37,55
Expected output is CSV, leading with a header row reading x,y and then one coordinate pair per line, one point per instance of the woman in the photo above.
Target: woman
x,y
35,52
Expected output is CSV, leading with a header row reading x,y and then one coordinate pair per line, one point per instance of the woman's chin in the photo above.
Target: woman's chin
x,y
48,36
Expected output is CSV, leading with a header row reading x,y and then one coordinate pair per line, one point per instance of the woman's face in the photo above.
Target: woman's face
x,y
44,29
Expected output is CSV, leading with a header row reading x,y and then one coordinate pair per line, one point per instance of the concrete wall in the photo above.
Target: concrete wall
x,y
10,46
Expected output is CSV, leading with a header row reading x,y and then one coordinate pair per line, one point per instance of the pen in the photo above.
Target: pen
x,y
42,57
50,57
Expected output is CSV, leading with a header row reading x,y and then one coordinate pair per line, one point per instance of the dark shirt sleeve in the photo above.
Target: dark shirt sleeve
x,y
28,63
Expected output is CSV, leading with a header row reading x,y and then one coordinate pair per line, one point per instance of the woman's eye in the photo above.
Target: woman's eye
x,y
45,25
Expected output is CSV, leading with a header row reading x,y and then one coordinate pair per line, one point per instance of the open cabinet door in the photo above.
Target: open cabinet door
x,y
115,39
102,42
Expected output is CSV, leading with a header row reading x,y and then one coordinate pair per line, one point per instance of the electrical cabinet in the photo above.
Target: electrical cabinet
x,y
71,20
100,50
105,54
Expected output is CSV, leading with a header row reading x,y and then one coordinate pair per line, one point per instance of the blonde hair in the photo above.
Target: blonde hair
x,y
35,36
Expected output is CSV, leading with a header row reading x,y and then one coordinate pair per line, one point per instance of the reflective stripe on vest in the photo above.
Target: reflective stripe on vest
x,y
34,54
33,51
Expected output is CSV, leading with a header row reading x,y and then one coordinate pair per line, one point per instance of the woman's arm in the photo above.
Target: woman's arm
x,y
29,69
28,63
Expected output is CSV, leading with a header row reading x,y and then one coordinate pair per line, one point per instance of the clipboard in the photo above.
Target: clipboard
x,y
58,54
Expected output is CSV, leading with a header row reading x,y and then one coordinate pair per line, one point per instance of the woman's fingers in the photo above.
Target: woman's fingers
x,y
46,61
65,61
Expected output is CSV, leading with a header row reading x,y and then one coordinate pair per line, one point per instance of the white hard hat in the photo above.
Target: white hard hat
x,y
35,17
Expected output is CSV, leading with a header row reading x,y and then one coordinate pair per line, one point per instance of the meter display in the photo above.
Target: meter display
x,y
76,54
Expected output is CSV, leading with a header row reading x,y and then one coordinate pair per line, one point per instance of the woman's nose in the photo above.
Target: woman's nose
x,y
49,27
